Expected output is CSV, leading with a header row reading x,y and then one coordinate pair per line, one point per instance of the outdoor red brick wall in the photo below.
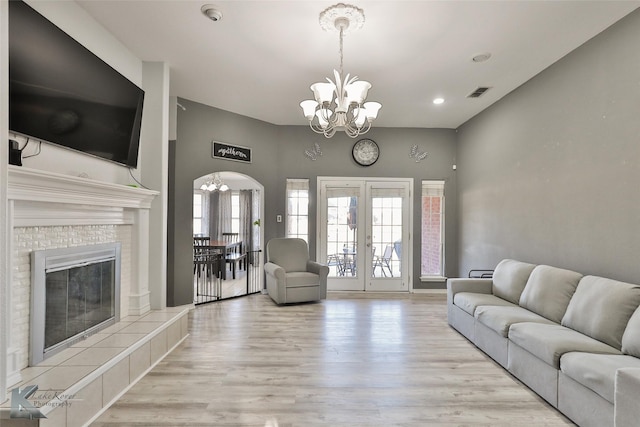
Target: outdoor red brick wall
x,y
431,236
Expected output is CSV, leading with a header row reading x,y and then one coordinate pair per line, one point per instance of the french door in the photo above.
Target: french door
x,y
364,233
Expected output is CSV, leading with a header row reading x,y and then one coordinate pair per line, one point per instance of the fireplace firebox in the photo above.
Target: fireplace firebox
x,y
75,292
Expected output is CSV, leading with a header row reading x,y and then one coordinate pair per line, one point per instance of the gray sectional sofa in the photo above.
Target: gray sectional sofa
x,y
573,339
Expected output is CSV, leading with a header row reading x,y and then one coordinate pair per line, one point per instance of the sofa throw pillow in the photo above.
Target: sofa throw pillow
x,y
510,278
549,290
631,337
601,308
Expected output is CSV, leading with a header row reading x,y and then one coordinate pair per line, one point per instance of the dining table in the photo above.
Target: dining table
x,y
224,247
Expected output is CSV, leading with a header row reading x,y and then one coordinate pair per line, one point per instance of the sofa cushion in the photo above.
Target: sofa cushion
x,y
550,342
601,308
468,301
549,290
301,278
597,372
510,278
631,337
500,318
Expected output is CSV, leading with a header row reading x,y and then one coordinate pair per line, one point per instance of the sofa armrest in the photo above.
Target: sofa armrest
x,y
317,268
274,270
322,270
479,286
627,410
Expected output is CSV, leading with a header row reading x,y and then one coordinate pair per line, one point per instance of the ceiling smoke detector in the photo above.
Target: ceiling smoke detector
x,y
211,12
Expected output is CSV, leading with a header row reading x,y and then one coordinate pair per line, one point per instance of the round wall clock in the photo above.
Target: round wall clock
x,y
365,152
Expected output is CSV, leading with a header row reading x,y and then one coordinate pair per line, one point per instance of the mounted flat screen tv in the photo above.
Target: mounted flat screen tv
x,y
60,92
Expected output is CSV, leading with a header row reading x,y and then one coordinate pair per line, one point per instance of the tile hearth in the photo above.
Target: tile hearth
x,y
77,384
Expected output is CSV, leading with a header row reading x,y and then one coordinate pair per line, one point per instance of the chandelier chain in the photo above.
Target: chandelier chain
x,y
341,50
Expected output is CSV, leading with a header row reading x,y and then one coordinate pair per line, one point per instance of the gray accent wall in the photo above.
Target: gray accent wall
x,y
190,158
278,153
551,173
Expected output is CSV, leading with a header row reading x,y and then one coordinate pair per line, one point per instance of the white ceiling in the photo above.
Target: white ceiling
x,y
260,59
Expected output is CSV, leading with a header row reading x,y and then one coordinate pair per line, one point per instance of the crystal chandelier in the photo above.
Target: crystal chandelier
x,y
213,183
339,104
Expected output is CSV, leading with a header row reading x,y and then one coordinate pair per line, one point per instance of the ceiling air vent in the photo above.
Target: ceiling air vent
x,y
478,92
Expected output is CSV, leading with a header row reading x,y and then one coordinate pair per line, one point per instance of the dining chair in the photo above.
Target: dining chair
x,y
235,257
201,241
230,237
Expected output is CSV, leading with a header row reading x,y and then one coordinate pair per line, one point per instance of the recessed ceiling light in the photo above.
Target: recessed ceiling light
x,y
438,101
481,57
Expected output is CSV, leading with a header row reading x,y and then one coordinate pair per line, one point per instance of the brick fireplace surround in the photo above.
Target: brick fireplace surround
x,y
48,210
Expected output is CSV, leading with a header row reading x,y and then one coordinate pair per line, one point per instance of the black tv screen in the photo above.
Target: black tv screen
x,y
62,93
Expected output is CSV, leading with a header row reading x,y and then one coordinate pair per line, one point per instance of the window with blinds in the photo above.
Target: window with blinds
x,y
298,208
432,247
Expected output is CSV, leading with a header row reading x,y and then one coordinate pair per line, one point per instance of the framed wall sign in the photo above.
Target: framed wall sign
x,y
231,152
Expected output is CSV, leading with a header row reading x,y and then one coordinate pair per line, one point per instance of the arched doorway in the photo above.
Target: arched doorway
x,y
227,211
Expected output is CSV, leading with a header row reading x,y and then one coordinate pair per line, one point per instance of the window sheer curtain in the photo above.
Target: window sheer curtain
x,y
224,213
219,214
214,228
206,214
246,223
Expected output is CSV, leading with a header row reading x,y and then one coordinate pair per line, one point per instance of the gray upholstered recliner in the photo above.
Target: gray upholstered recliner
x,y
291,276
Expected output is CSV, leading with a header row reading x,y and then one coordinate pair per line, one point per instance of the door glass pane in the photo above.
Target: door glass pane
x,y
386,235
341,235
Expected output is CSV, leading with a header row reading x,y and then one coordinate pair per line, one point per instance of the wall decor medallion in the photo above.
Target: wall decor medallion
x,y
314,152
416,154
365,152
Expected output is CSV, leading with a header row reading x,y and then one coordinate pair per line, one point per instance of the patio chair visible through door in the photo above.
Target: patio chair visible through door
x,y
384,261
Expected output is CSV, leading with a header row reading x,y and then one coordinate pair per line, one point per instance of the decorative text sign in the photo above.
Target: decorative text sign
x,y
231,152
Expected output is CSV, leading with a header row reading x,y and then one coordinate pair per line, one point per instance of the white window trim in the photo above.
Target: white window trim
x,y
296,184
202,208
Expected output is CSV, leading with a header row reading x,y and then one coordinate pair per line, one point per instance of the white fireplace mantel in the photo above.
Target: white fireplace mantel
x,y
39,198
41,186
43,198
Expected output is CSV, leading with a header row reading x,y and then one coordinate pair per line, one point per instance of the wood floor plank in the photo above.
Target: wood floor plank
x,y
352,360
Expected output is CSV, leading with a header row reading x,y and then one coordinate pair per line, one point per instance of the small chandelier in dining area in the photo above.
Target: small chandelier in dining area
x,y
213,183
340,103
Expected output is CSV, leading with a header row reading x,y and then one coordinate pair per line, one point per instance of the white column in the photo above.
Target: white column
x,y
13,348
154,158
139,297
4,241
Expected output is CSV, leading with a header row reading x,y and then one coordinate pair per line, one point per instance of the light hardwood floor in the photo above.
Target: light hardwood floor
x,y
352,360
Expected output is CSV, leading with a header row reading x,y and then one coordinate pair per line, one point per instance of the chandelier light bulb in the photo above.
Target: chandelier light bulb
x,y
372,109
309,108
213,183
